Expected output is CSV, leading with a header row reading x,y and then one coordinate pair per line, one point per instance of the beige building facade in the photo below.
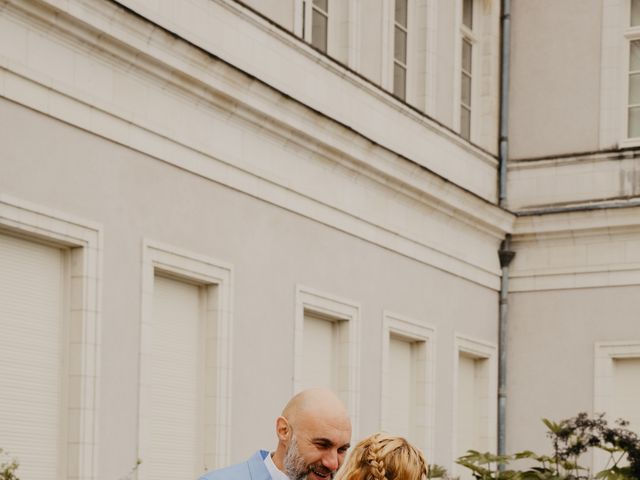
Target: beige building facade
x,y
208,205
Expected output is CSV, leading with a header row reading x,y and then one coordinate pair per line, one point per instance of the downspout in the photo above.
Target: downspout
x,y
505,254
505,52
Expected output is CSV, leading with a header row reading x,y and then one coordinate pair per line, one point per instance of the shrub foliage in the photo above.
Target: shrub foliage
x,y
570,440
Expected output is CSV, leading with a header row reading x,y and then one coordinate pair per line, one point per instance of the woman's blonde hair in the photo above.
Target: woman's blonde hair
x,y
384,457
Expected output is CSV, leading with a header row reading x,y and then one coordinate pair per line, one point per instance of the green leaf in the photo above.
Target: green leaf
x,y
436,471
553,427
525,454
473,467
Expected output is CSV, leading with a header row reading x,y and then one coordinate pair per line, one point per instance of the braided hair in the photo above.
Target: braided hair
x,y
384,457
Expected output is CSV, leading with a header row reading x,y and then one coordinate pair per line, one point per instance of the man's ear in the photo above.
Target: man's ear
x,y
283,429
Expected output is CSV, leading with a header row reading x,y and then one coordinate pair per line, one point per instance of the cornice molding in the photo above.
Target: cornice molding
x,y
579,223
579,249
573,158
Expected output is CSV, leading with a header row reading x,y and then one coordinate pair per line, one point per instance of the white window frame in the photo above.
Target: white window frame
x,y
217,278
353,47
343,24
388,45
630,34
414,332
605,354
422,53
303,21
614,75
347,314
617,35
478,349
394,61
472,35
84,241
426,99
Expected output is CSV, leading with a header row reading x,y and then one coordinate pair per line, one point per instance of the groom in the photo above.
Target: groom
x,y
313,433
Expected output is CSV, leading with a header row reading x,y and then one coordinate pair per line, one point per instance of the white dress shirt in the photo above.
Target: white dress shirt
x,y
275,472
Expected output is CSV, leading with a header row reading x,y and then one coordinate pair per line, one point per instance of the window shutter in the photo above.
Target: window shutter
x,y
176,382
32,355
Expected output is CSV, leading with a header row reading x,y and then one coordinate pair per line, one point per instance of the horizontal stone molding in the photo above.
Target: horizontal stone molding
x,y
578,180
582,249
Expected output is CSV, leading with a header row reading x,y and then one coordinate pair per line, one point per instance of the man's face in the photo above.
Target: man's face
x,y
316,449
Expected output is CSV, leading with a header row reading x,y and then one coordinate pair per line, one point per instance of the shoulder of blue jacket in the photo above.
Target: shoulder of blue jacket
x,y
239,471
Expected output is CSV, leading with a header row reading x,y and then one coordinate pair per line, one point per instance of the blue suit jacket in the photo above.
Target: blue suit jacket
x,y
252,469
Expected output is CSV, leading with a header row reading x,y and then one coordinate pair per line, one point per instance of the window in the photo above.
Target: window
x,y
471,389
185,364
633,102
626,391
50,271
408,391
616,385
322,352
475,384
326,346
315,23
400,49
32,292
176,385
466,68
403,353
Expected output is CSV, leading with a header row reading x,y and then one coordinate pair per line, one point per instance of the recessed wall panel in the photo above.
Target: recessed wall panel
x,y
402,384
320,353
32,306
627,391
176,381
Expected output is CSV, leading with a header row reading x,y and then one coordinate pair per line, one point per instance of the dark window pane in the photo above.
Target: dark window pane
x,y
319,31
635,13
634,55
634,122
321,4
399,81
465,123
466,56
467,13
400,45
401,12
465,96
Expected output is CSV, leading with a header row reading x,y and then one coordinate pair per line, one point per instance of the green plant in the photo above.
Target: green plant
x,y
488,466
438,471
574,436
570,439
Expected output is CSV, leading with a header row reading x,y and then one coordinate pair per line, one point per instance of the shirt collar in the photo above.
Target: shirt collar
x,y
276,474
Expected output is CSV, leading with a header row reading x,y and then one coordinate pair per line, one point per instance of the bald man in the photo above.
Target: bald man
x,y
313,433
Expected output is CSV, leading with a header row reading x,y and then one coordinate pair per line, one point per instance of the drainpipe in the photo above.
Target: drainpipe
x,y
505,26
505,254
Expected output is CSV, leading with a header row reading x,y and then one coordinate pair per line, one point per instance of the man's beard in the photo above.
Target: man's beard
x,y
295,466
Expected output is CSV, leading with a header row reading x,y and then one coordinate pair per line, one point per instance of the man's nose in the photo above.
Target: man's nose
x,y
330,460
